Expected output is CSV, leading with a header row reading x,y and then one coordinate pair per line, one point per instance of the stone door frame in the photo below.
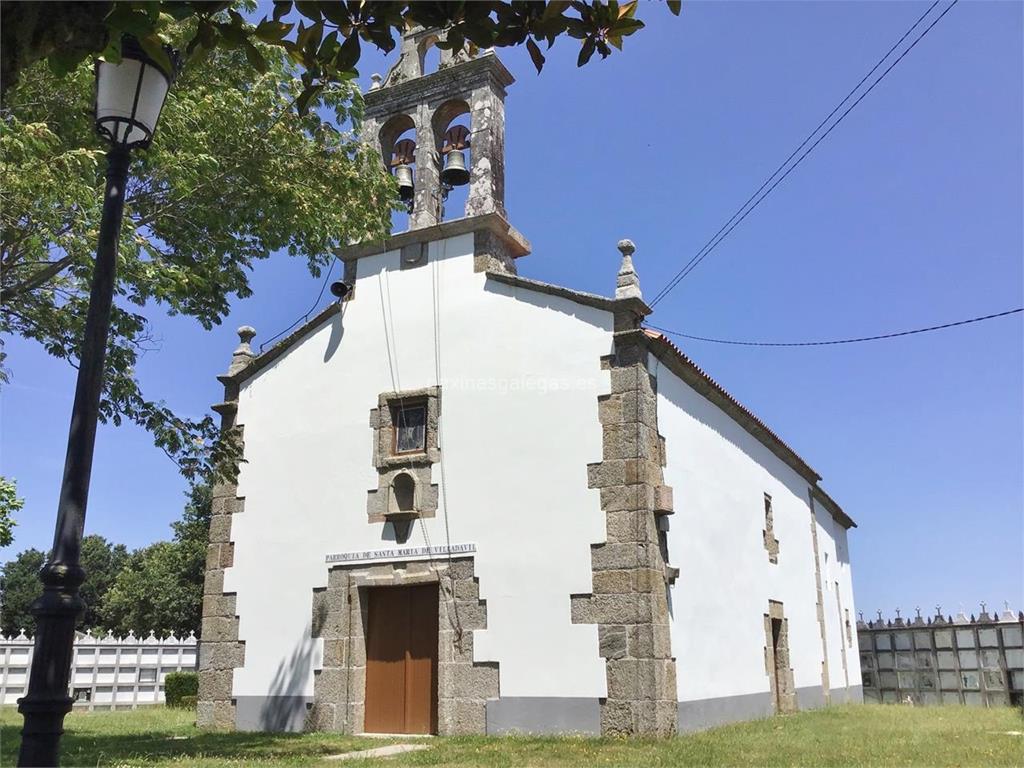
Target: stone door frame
x,y
340,617
782,690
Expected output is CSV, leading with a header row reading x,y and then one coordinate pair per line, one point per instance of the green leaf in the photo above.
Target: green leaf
x,y
555,9
311,10
535,55
281,9
232,35
255,58
586,52
329,47
271,31
336,13
626,27
577,29
154,47
675,6
123,19
207,34
112,52
307,95
381,37
309,36
348,54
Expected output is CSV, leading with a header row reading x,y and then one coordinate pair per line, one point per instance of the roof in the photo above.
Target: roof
x,y
693,374
580,297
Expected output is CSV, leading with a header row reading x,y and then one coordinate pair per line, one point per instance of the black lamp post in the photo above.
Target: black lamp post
x,y
129,97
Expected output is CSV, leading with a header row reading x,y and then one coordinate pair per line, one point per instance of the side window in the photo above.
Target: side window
x,y
409,425
770,542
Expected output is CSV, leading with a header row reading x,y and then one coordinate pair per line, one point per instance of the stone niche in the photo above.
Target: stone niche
x,y
404,490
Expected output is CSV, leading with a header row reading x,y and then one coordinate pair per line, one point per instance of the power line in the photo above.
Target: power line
x,y
733,221
803,143
838,341
305,317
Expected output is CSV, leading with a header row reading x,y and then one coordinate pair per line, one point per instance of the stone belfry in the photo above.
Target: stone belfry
x,y
409,102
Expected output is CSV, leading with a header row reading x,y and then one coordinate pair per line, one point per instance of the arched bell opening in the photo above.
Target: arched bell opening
x,y
429,55
452,132
398,150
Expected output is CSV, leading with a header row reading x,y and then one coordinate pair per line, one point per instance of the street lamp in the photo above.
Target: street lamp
x,y
129,97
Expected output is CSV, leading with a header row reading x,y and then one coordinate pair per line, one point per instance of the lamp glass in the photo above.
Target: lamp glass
x,y
129,98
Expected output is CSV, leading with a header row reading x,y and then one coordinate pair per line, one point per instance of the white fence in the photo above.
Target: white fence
x,y
107,672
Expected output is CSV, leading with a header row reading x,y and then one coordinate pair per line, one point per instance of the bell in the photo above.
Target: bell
x,y
455,173
403,173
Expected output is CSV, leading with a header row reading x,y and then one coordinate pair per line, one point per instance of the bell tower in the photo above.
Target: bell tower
x,y
439,130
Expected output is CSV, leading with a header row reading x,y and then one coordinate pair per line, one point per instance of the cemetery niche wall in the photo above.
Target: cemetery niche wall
x,y
106,672
944,659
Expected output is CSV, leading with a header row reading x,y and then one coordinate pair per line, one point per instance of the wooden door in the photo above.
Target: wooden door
x,y
401,660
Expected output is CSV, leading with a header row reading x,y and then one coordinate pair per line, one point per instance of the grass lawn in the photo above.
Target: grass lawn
x,y
868,735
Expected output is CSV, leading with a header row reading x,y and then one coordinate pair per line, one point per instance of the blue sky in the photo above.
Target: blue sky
x,y
909,214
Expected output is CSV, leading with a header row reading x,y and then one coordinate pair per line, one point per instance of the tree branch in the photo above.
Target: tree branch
x,y
39,278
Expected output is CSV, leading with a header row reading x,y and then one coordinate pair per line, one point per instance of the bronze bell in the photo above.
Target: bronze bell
x,y
403,173
455,173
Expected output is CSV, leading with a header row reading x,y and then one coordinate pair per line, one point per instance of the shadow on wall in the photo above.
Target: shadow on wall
x,y
337,333
284,709
337,324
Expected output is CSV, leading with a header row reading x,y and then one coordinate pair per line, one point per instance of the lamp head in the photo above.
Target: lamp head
x,y
130,94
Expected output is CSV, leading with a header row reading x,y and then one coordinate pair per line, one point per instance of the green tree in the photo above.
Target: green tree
x,y
161,587
20,583
19,586
9,505
235,175
102,562
326,41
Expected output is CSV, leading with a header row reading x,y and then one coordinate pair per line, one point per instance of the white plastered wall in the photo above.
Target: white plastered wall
x,y
520,377
719,474
845,577
835,568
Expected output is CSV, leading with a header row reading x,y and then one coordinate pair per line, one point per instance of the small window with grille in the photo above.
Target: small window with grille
x,y
409,421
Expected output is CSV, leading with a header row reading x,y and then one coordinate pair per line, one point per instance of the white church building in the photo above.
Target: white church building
x,y
471,502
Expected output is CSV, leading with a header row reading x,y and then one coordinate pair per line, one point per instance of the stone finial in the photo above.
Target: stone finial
x,y
1007,614
983,616
627,283
376,81
243,353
